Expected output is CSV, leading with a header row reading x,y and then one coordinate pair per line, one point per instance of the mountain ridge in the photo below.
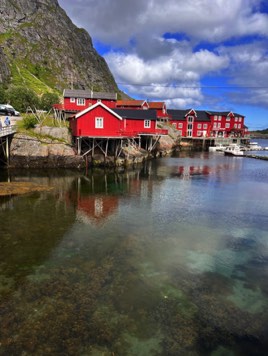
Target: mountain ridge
x,y
41,48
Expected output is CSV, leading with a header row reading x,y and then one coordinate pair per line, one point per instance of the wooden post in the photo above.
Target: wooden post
x,y
7,150
79,145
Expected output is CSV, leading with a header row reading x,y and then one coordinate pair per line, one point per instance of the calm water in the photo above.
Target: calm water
x,y
167,259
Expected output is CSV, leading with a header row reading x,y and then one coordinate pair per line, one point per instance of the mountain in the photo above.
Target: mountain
x,y
41,48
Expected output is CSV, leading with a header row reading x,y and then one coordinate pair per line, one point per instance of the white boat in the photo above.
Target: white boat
x,y
254,146
218,148
233,150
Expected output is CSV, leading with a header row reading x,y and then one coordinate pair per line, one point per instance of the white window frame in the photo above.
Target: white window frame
x,y
98,122
147,124
205,126
190,119
227,125
228,118
199,126
236,119
174,125
215,117
219,118
235,126
81,101
199,133
180,125
72,100
219,125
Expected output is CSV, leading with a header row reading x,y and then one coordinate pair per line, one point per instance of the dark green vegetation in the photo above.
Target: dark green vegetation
x,y
23,98
43,51
259,133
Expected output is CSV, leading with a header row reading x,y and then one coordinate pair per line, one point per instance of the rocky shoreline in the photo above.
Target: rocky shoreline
x,y
51,147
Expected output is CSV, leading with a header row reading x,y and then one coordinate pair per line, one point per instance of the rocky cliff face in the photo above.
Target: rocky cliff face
x,y
42,48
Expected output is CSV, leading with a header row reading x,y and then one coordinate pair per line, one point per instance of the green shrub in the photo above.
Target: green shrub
x,y
29,122
22,97
48,99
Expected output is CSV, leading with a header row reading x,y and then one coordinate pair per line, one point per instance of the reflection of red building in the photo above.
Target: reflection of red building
x,y
96,208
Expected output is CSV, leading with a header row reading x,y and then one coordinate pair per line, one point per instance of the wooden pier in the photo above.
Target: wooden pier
x,y
6,134
265,158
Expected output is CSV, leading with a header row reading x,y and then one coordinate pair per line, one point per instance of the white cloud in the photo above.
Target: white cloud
x,y
118,21
176,66
171,69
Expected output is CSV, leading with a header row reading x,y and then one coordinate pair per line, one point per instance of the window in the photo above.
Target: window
x,y
227,125
236,119
205,126
174,125
215,125
199,133
219,125
147,124
215,117
199,126
190,119
239,126
219,118
228,118
72,100
80,101
240,119
180,125
99,122
235,126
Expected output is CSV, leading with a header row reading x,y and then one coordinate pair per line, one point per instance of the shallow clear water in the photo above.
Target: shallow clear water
x,y
167,259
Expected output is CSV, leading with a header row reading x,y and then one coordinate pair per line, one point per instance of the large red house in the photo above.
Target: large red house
x,y
226,124
99,120
190,123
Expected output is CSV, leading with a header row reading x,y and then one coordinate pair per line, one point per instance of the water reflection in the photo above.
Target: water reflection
x,y
140,262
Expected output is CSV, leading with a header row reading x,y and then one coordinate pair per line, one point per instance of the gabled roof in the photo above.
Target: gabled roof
x,y
92,107
136,114
181,115
88,94
156,104
224,113
136,103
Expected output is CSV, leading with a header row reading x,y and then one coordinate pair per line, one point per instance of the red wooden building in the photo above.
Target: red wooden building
x,y
98,124
190,123
161,110
227,124
75,100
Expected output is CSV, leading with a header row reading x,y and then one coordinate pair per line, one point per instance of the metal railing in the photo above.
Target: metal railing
x,y
7,130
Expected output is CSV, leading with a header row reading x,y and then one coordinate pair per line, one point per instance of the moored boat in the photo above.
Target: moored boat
x,y
233,150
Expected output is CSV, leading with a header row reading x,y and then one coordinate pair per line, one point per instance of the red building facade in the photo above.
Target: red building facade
x,y
99,120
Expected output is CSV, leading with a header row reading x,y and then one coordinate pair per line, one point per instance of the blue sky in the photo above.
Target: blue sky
x,y
201,54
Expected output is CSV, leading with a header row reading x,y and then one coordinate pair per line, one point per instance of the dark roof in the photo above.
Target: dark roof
x,y
88,94
223,113
136,114
201,115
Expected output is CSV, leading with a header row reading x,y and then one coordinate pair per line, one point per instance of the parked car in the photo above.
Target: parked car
x,y
16,113
6,109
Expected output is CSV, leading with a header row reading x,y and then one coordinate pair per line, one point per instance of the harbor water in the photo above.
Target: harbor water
x,y
170,258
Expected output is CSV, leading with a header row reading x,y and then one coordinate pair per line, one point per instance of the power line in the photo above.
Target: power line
x,y
194,87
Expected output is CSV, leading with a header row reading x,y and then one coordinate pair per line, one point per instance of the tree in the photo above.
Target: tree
x,y
2,95
21,98
48,99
